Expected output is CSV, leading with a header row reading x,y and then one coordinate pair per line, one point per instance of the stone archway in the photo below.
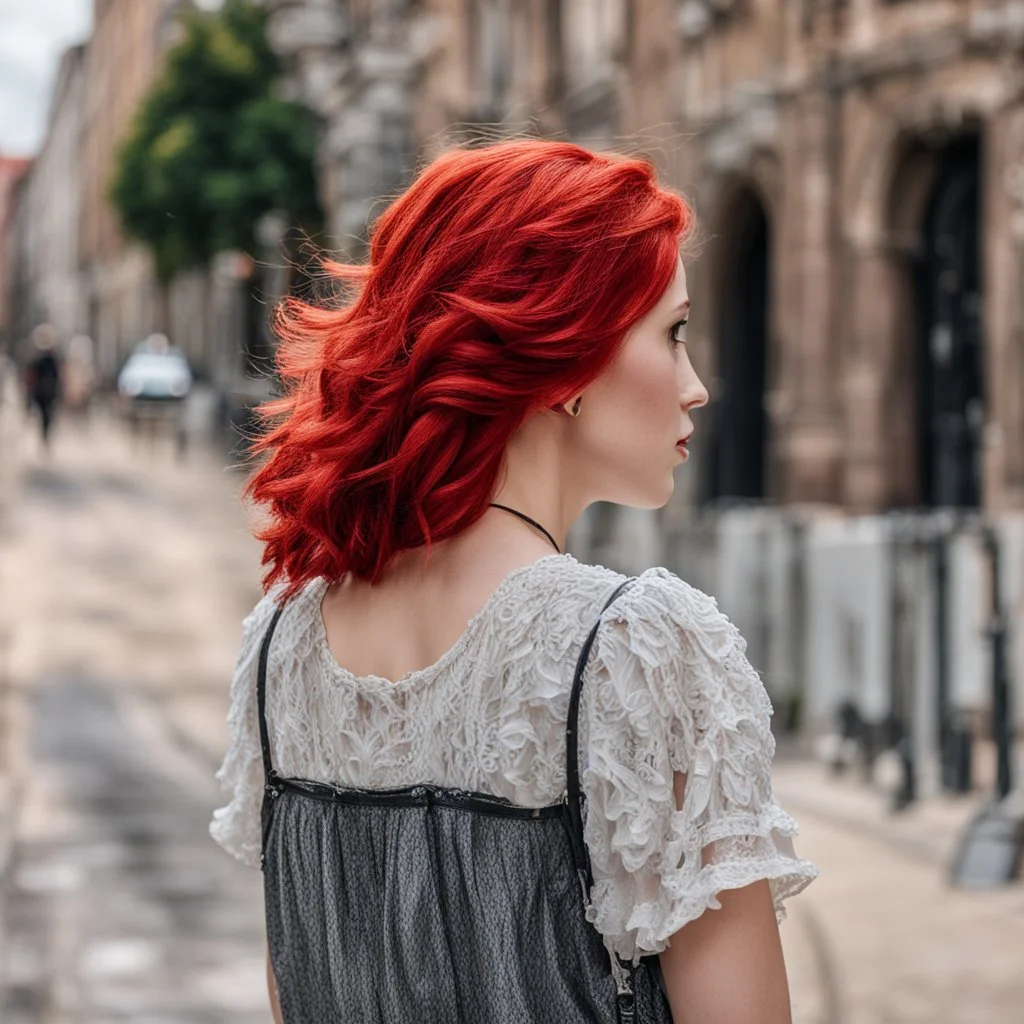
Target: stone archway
x,y
932,217
911,350
948,299
738,446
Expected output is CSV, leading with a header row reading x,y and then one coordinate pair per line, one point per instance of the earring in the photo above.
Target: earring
x,y
575,411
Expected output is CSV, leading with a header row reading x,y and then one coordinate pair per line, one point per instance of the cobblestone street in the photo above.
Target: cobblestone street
x,y
125,575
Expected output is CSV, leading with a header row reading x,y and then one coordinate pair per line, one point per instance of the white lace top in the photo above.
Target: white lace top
x,y
667,687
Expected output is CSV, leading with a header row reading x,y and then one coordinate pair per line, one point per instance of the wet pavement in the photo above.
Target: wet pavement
x,y
124,576
124,911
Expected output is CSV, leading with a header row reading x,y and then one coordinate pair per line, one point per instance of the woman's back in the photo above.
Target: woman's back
x,y
410,618
666,688
488,715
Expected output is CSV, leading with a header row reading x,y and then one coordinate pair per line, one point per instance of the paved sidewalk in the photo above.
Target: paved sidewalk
x,y
124,576
891,940
11,416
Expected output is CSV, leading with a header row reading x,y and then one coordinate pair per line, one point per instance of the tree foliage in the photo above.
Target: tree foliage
x,y
213,146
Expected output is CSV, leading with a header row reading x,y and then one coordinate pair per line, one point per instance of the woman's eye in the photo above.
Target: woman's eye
x,y
677,332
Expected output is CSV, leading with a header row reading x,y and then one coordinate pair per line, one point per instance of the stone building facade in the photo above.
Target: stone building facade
x,y
857,169
49,288
122,58
857,165
71,263
12,172
397,81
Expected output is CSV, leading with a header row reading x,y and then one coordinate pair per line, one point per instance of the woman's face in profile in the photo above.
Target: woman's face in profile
x,y
635,414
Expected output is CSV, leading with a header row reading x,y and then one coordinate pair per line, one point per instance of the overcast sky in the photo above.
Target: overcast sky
x,y
33,34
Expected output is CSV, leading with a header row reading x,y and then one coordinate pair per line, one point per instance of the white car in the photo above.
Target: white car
x,y
155,375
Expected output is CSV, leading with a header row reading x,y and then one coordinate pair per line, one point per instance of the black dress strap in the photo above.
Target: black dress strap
x,y
261,695
574,809
574,799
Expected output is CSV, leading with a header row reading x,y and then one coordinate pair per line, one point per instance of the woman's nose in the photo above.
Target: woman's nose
x,y
695,394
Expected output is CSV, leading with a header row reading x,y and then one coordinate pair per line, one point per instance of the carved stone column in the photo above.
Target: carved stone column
x,y
357,69
864,379
810,450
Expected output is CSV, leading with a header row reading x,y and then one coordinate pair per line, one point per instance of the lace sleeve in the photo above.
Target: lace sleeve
x,y
236,826
669,688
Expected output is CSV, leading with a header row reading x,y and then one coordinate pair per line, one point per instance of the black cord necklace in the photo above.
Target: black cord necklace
x,y
527,519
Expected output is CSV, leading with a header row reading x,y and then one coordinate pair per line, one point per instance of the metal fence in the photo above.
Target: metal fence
x,y
901,632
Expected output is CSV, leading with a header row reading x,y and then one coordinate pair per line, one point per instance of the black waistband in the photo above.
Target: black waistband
x,y
415,796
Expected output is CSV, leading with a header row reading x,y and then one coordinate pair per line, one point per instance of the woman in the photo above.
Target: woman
x,y
43,379
488,782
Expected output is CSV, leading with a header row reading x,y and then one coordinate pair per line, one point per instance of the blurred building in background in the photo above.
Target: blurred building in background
x,y
12,171
50,287
72,265
855,493
397,82
856,167
123,56
844,159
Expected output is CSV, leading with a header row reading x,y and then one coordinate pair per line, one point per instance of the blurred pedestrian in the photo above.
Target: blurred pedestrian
x,y
516,343
43,379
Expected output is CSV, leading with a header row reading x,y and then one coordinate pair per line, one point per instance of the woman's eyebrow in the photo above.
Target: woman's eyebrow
x,y
683,307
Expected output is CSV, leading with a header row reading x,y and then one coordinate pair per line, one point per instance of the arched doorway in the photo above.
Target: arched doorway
x,y
736,463
950,389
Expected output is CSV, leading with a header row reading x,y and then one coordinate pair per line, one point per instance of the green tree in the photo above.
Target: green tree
x,y
213,146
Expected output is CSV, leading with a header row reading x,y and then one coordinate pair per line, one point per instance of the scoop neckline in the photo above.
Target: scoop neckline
x,y
370,680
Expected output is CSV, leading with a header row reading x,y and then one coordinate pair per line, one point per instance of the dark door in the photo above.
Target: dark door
x,y
736,465
950,384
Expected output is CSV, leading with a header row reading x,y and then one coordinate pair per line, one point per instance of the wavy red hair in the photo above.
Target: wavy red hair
x,y
503,281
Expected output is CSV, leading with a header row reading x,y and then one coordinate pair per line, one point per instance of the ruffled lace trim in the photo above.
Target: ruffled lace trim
x,y
671,690
761,850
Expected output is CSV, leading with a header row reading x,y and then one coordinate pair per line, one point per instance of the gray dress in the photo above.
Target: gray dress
x,y
425,904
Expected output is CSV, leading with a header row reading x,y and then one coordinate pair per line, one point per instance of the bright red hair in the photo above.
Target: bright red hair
x,y
503,281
